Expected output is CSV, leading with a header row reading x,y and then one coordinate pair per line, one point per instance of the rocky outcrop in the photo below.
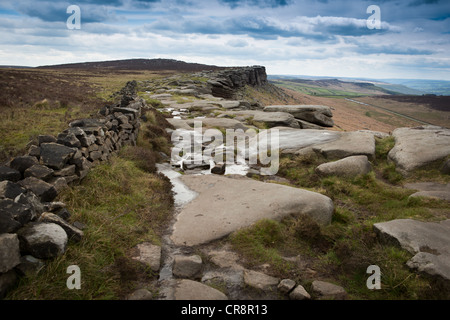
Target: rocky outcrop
x,y
307,114
225,83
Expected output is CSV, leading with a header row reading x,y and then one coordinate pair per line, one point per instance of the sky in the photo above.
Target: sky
x,y
341,38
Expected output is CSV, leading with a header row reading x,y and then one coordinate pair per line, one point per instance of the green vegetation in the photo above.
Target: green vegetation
x,y
122,202
342,251
315,90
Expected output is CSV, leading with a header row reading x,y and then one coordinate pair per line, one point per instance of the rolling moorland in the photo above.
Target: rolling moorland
x,y
126,201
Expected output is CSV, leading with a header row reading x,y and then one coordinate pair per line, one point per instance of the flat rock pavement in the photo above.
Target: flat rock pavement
x,y
225,204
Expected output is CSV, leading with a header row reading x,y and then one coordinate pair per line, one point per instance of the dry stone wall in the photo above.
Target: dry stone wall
x,y
33,227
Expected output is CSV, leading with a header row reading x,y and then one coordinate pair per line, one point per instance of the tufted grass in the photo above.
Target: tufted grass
x,y
342,251
121,205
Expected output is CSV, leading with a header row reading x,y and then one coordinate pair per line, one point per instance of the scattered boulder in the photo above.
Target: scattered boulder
x,y
188,267
299,293
286,285
149,254
9,252
193,290
43,240
418,147
260,280
348,167
326,290
219,169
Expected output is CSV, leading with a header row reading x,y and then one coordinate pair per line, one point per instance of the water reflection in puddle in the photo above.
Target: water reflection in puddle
x,y
182,194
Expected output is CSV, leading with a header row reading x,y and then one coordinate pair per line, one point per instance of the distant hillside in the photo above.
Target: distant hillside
x,y
138,64
439,87
331,87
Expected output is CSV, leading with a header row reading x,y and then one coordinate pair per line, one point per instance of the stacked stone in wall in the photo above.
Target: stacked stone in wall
x,y
33,227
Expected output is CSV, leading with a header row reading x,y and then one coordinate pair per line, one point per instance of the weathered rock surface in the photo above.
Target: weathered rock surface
x,y
179,124
260,280
430,190
10,189
43,240
56,155
326,290
270,119
218,123
22,163
222,207
13,215
39,171
42,189
299,293
427,240
348,144
349,167
9,252
329,144
188,267
149,254
7,173
292,140
320,115
73,233
193,290
418,147
286,285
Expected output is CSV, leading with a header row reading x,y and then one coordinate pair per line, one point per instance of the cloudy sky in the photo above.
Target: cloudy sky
x,y
310,37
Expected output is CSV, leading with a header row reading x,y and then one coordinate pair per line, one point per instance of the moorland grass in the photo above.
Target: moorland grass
x,y
342,251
